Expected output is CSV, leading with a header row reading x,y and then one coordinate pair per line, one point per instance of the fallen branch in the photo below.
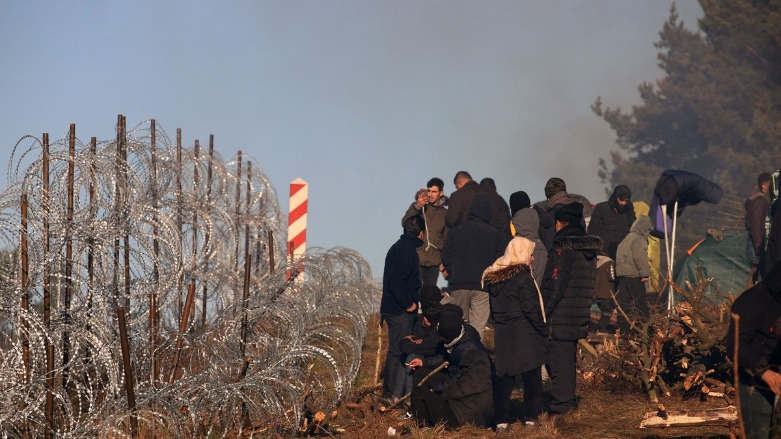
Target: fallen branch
x,y
430,374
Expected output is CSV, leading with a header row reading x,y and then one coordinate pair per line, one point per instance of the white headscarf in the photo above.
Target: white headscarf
x,y
518,252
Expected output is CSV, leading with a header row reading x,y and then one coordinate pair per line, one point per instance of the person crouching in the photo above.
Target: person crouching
x,y
463,394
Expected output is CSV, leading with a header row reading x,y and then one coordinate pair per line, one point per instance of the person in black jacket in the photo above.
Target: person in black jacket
x,y
759,352
757,208
520,331
567,289
462,395
612,219
501,210
400,296
469,248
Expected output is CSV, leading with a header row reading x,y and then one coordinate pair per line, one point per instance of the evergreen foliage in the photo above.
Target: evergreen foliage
x,y
717,109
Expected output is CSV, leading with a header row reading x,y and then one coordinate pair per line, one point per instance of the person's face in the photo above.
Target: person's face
x,y
764,187
623,201
433,194
560,225
459,183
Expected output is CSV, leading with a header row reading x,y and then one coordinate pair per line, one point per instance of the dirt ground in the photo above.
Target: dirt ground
x,y
601,413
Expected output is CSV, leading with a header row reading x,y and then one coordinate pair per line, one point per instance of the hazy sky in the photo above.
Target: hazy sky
x,y
365,100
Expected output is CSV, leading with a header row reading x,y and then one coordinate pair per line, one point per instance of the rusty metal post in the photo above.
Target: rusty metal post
x,y
24,275
270,251
125,215
117,210
155,267
245,293
182,328
47,298
127,367
196,154
207,238
238,207
180,279
66,302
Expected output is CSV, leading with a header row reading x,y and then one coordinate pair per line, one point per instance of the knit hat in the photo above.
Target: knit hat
x,y
622,192
570,213
554,186
450,326
430,294
763,177
519,200
453,309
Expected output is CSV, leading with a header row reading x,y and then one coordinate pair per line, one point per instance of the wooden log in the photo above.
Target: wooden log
x,y
725,416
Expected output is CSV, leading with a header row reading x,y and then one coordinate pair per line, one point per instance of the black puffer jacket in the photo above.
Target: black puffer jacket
x,y
759,309
469,384
611,221
520,333
568,284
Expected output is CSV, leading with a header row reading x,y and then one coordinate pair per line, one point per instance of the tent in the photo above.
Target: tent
x,y
724,260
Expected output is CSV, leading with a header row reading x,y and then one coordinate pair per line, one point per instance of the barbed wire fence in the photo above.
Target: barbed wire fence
x,y
139,295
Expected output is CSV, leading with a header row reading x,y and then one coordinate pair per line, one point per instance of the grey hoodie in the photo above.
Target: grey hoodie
x,y
527,224
632,253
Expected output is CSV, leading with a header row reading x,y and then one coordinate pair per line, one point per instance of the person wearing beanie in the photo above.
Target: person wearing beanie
x,y
429,294
519,200
612,219
431,203
567,288
463,392
556,196
400,296
469,248
520,330
757,208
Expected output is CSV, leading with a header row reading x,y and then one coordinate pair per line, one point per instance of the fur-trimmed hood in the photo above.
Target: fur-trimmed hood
x,y
504,274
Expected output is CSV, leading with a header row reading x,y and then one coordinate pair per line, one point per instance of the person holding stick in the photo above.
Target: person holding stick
x,y
758,354
462,395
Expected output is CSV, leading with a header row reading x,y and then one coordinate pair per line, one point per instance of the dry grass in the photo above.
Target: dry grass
x,y
601,415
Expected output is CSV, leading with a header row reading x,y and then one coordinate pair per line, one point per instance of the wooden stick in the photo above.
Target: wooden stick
x,y
736,371
379,351
430,374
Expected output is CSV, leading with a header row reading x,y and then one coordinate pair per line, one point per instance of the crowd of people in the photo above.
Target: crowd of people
x,y
531,272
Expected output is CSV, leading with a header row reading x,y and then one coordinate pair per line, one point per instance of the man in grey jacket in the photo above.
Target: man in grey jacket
x,y
633,271
431,205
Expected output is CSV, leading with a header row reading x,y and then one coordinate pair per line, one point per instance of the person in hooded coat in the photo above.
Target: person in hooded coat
x,y
759,352
633,271
526,224
567,289
612,219
520,200
470,247
464,393
520,331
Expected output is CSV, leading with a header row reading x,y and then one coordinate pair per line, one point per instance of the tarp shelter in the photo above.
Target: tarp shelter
x,y
725,261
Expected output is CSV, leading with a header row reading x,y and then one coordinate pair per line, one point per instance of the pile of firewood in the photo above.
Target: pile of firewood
x,y
683,349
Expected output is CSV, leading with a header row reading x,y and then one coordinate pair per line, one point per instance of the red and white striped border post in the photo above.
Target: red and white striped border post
x,y
296,226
